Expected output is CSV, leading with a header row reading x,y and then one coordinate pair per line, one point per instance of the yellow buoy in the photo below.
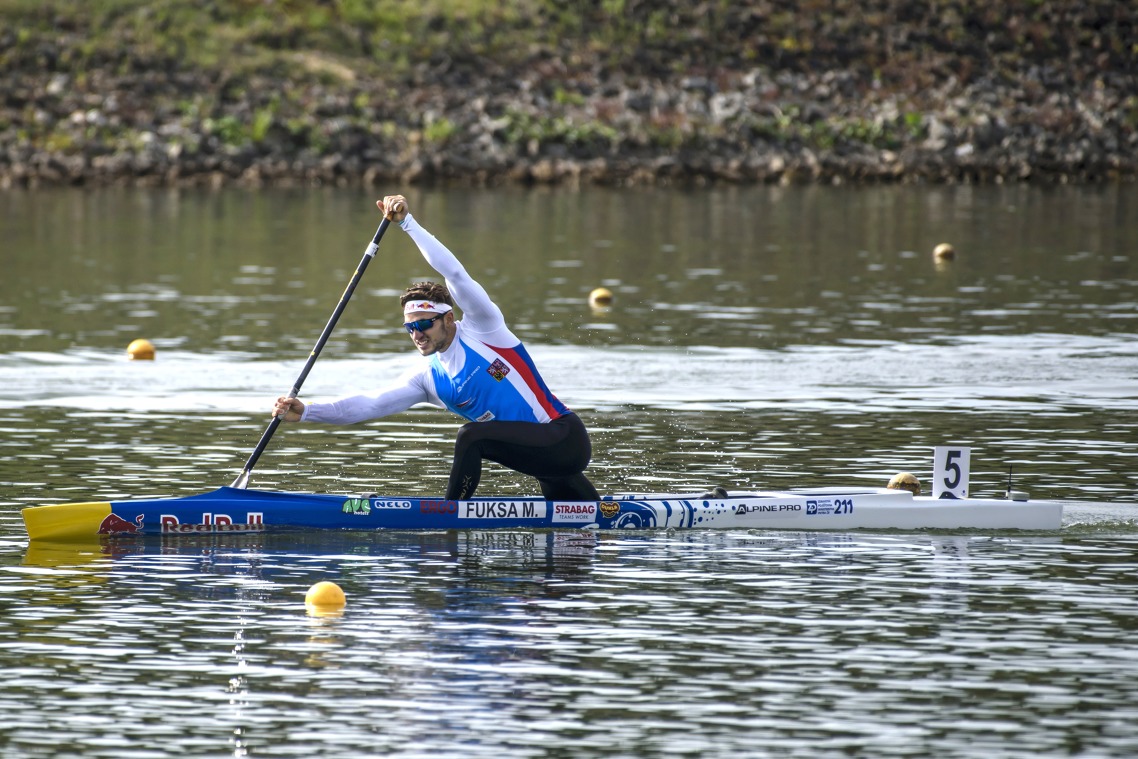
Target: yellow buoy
x,y
944,252
905,481
140,350
600,298
325,595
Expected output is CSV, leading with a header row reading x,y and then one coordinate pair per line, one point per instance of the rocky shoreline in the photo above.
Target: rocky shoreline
x,y
946,118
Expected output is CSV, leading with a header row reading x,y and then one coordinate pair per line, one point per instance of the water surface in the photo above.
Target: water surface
x,y
761,338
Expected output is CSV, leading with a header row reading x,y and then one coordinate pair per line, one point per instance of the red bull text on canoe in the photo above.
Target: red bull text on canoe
x,y
254,522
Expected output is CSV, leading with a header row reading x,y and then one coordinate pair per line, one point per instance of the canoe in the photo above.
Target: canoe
x,y
235,510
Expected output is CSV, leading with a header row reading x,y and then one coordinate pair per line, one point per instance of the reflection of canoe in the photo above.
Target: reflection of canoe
x,y
232,510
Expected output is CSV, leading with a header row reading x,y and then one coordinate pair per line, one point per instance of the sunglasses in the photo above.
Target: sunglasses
x,y
422,325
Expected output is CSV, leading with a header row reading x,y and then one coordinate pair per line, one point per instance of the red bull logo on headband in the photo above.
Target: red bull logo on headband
x,y
425,305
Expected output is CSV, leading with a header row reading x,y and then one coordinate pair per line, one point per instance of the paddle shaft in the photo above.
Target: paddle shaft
x,y
243,478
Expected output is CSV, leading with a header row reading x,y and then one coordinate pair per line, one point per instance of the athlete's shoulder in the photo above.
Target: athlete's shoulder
x,y
496,335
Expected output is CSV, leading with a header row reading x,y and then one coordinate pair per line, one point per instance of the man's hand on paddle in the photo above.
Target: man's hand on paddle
x,y
394,207
289,409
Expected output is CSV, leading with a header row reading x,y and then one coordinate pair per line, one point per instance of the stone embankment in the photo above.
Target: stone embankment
x,y
879,102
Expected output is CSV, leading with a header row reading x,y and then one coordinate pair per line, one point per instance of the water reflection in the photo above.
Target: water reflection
x,y
712,638
782,266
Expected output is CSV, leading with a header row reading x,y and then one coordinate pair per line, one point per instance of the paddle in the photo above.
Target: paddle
x,y
243,479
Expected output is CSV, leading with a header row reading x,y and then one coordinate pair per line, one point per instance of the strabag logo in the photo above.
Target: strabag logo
x,y
503,509
574,513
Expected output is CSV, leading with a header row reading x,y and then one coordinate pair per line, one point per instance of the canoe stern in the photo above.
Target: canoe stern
x,y
73,522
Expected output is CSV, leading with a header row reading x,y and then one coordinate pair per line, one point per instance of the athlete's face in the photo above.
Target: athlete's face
x,y
430,338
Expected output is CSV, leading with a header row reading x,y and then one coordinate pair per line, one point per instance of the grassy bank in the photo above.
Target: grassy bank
x,y
815,89
881,38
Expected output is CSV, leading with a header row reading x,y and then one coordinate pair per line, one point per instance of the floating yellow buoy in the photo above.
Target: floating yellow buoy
x,y
944,252
325,596
140,350
600,298
905,481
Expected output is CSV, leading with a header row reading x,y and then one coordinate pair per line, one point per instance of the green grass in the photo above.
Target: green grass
x,y
249,64
244,36
312,39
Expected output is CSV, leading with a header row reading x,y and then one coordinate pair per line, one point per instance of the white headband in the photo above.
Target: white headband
x,y
425,305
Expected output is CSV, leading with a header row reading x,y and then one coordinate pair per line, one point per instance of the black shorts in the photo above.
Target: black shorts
x,y
556,453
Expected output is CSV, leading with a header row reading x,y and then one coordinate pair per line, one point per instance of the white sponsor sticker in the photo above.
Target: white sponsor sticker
x,y
502,509
950,471
826,506
574,513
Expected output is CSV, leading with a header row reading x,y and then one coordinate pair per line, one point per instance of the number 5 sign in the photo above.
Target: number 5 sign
x,y
950,471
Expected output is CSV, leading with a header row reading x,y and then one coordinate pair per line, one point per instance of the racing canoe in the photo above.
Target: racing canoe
x,y
234,510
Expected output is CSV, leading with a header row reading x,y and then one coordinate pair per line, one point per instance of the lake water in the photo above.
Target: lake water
x,y
760,338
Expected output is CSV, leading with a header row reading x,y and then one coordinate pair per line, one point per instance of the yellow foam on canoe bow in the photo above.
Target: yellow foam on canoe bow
x,y
66,522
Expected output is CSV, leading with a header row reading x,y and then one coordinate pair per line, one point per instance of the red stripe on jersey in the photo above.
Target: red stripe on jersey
x,y
524,366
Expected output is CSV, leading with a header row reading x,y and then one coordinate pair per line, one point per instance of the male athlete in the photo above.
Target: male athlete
x,y
479,370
